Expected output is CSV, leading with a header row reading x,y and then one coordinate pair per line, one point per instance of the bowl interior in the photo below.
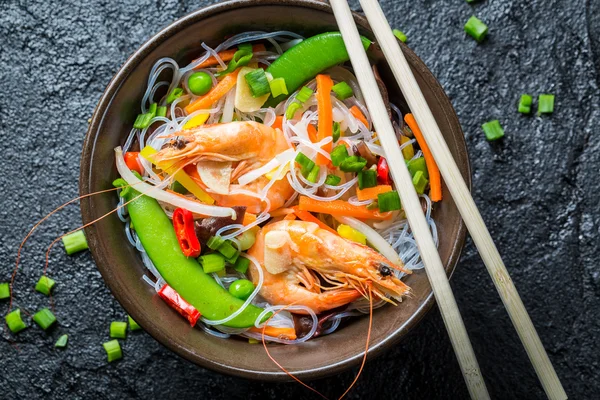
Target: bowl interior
x,y
121,265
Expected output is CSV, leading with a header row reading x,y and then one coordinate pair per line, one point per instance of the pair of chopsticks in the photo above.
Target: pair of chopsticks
x,y
459,190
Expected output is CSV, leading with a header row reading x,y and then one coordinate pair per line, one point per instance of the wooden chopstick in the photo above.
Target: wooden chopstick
x,y
464,201
410,202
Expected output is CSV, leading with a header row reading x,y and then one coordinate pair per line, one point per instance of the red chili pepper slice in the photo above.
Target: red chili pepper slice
x,y
383,172
172,298
183,222
132,161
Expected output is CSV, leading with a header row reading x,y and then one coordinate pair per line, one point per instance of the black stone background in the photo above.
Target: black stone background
x,y
537,190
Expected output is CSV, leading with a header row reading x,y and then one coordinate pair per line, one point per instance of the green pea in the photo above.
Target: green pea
x,y
242,289
200,83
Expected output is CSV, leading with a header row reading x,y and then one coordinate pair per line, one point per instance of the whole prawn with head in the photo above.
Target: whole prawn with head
x,y
305,264
215,156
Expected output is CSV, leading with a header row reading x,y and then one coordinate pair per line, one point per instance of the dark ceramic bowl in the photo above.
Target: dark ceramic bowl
x,y
120,263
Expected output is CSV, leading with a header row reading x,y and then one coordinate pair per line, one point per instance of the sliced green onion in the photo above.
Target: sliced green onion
x,y
245,46
142,121
306,164
240,58
333,180
400,35
545,104
44,318
152,110
338,155
313,174
161,111
420,182
304,94
476,28
353,164
133,326
227,249
241,265
258,82
75,242
113,350
365,42
389,201
14,321
118,330
342,90
214,242
367,179
231,260
418,164
493,130
62,341
179,188
291,110
4,290
212,262
336,132
278,87
525,104
174,95
45,285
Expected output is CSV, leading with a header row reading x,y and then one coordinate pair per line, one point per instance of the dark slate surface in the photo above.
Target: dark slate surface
x,y
537,190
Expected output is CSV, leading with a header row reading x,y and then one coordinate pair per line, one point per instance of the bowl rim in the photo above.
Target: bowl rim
x,y
85,171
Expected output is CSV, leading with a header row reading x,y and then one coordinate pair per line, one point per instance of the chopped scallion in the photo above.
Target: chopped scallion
x,y
258,82
174,95
245,46
418,164
179,188
133,326
62,341
278,87
525,104
313,174
161,111
75,242
212,262
367,179
304,94
241,265
227,249
306,164
44,318
420,182
476,28
240,58
353,164
333,180
342,90
545,104
118,330
336,132
338,155
4,290
14,321
388,201
493,130
152,110
113,350
291,110
214,242
142,121
45,285
400,35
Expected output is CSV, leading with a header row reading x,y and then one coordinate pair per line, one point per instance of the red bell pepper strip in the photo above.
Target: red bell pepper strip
x,y
383,172
132,162
185,229
172,298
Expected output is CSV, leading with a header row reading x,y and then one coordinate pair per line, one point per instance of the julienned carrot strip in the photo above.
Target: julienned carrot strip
x,y
435,181
372,192
325,126
273,331
354,110
308,217
210,98
312,133
290,217
340,207
248,218
227,55
281,212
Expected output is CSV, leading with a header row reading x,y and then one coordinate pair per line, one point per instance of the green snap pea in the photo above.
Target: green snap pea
x,y
242,289
200,83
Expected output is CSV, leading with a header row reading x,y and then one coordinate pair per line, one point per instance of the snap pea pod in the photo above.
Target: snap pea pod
x,y
308,58
183,274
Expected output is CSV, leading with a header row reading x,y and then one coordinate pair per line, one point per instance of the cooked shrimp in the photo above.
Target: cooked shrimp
x,y
295,254
239,147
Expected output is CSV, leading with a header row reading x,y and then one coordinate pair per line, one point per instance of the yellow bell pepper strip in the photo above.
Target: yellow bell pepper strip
x,y
348,232
180,176
196,121
409,151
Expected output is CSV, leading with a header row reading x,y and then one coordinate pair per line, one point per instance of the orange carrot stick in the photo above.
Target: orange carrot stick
x,y
312,133
210,98
273,331
308,217
340,207
354,110
372,193
325,127
248,218
226,55
290,217
435,181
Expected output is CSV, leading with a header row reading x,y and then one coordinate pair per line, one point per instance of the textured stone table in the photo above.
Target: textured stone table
x,y
538,192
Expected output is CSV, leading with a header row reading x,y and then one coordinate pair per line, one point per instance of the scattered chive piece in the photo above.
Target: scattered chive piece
x,y
133,326
14,321
291,110
545,104
113,350
152,110
241,265
313,174
400,35
62,341
418,164
338,155
240,58
75,242
336,132
214,242
342,90
367,179
4,290
278,87
306,164
227,249
231,260
304,94
389,201
212,262
353,164
493,130
258,82
161,111
45,285
118,330
525,104
245,46
174,95
179,188
365,42
44,318
420,182
142,121
476,28
333,180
